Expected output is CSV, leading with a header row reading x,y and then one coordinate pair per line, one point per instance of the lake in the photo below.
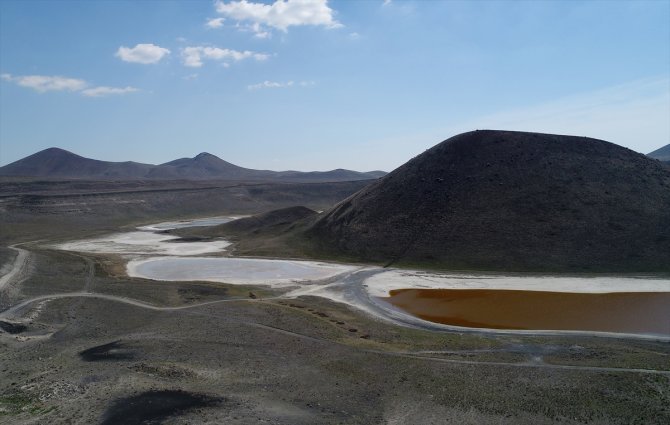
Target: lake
x,y
620,312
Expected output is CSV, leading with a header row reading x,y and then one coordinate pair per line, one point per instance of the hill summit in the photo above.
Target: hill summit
x,y
504,200
206,166
59,163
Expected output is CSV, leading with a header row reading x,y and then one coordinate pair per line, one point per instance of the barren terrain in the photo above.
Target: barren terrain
x,y
81,342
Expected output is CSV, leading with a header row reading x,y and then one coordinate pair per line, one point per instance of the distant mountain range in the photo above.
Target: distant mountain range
x,y
662,154
59,163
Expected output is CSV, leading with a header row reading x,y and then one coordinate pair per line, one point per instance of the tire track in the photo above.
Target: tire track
x,y
17,309
18,267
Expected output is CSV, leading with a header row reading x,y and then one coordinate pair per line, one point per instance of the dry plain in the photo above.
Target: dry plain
x,y
82,342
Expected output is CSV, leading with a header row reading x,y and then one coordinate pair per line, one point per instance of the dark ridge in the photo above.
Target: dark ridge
x,y
187,239
376,173
12,328
108,352
269,220
263,234
59,163
503,200
153,407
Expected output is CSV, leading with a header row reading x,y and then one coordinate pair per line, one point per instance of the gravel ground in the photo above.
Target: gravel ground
x,y
253,359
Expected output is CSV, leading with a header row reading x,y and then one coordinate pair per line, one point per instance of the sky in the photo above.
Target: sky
x,y
318,85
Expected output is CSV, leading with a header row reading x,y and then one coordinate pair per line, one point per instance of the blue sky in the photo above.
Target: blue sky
x,y
316,85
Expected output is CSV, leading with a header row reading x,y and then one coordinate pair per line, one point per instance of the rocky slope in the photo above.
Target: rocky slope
x,y
505,200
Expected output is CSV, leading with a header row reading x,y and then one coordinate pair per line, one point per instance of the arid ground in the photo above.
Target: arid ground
x,y
83,343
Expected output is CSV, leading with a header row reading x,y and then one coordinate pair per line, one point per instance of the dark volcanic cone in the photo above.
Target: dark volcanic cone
x,y
505,200
59,163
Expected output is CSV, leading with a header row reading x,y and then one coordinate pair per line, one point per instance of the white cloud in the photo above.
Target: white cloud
x,y
387,2
193,56
142,53
215,23
277,85
105,91
280,15
269,85
354,36
44,83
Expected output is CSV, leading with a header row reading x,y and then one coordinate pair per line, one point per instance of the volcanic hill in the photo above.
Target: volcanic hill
x,y
59,163
504,200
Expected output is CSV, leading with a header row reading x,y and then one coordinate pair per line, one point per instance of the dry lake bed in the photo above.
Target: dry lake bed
x,y
627,305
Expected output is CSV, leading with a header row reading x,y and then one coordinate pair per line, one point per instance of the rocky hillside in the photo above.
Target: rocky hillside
x,y
503,200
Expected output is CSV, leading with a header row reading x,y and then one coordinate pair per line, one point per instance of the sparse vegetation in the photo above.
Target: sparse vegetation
x,y
299,361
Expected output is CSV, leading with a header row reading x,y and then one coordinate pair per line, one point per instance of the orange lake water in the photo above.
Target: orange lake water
x,y
622,312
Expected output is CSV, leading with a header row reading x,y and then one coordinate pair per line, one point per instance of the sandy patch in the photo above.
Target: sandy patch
x,y
242,271
381,284
144,243
198,222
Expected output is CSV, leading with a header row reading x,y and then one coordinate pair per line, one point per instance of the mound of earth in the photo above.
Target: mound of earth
x,y
504,200
275,233
265,222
